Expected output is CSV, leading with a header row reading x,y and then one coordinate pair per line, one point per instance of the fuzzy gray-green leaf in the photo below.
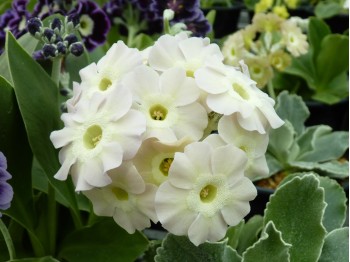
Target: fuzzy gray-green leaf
x,y
336,246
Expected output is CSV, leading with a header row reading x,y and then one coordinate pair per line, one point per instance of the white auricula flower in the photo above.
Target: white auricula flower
x,y
232,92
183,51
127,199
169,103
154,159
206,191
104,76
233,48
97,136
252,143
294,39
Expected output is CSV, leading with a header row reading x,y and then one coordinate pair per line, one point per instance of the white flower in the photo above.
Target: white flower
x,y
232,92
233,48
104,76
206,191
252,143
127,199
97,136
169,103
295,40
154,159
182,51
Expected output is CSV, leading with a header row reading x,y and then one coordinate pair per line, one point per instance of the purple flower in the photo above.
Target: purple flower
x,y
6,191
94,23
45,8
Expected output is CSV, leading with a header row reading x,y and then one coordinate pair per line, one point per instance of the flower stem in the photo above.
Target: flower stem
x,y
271,90
8,240
56,70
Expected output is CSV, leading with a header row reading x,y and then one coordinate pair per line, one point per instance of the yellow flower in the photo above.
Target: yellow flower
x,y
281,11
280,60
292,4
267,22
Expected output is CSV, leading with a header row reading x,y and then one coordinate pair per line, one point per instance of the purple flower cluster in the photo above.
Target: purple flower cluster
x,y
187,12
6,192
94,23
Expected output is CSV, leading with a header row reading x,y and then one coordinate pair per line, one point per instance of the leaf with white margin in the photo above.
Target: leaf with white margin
x,y
335,212
297,209
336,246
179,248
291,107
333,169
269,248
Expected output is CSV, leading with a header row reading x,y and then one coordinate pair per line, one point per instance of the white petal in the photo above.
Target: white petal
x,y
222,104
257,168
214,140
182,172
123,220
111,156
101,205
62,173
170,206
62,137
252,123
146,202
211,81
93,173
234,213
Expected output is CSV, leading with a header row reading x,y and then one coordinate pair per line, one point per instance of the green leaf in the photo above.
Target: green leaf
x,y
332,60
327,9
269,248
281,143
336,246
318,29
292,108
250,232
36,259
274,165
332,169
179,248
103,241
319,144
335,212
37,97
296,208
233,234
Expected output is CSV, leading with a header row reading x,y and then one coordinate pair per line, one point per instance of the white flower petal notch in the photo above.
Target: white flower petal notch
x,y
97,137
127,199
215,194
169,103
232,92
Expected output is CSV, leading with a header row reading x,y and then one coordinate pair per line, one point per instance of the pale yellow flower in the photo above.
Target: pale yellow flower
x,y
291,4
233,48
280,60
267,22
260,70
294,39
262,6
281,11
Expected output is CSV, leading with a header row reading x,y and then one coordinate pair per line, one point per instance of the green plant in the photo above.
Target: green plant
x,y
211,3
324,68
295,148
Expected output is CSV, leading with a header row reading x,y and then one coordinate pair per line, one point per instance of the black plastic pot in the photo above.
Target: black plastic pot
x,y
258,205
335,116
226,19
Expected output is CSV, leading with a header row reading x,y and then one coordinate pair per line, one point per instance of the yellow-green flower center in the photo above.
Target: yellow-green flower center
x,y
158,112
208,193
241,91
86,25
189,73
121,194
92,136
165,166
105,83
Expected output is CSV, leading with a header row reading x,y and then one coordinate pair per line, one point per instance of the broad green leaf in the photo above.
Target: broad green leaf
x,y
29,44
250,233
318,29
333,169
327,9
292,108
319,144
143,41
336,246
269,248
37,97
103,241
303,67
15,146
274,165
179,248
332,60
281,143
233,234
335,212
37,259
296,209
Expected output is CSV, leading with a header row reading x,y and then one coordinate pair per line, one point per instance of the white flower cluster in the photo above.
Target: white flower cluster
x,y
133,137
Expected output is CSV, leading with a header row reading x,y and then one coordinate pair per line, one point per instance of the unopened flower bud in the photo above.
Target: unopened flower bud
x,y
72,38
49,34
61,48
73,21
56,25
49,51
34,26
76,49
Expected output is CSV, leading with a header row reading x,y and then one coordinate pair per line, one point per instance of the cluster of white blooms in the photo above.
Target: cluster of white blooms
x,y
265,45
134,137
